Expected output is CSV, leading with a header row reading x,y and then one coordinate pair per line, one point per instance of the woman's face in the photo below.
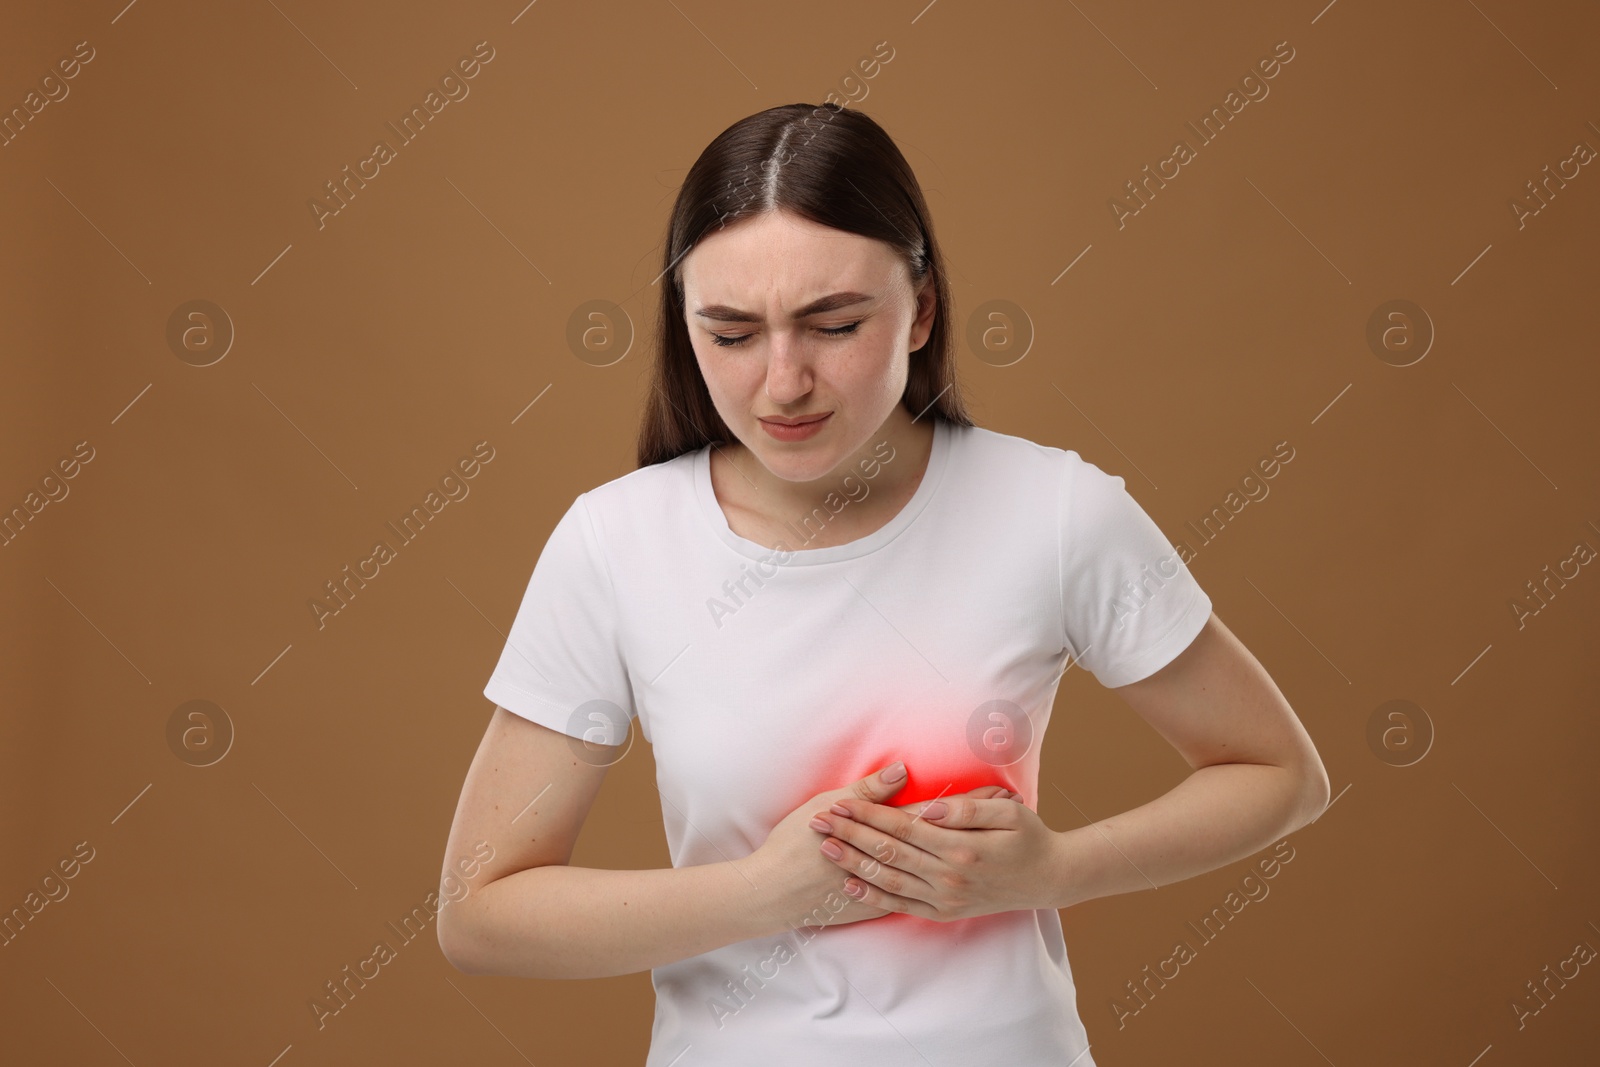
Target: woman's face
x,y
766,349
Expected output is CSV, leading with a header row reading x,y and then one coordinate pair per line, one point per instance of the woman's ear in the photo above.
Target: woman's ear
x,y
927,307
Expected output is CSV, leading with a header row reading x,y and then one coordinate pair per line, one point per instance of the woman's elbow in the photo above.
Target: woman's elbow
x,y
455,943
1314,792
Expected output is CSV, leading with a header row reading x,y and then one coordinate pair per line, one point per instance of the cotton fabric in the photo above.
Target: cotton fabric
x,y
761,679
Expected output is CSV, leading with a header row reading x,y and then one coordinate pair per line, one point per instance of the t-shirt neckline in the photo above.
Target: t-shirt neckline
x,y
706,498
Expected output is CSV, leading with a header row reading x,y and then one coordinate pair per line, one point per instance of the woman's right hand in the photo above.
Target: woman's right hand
x,y
797,882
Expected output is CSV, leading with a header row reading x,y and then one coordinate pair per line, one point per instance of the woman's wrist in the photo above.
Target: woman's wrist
x,y
1064,886
764,905
1086,865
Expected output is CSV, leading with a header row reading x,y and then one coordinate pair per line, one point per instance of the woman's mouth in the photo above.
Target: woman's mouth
x,y
800,431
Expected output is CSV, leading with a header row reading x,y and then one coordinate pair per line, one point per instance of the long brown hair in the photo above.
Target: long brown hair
x,y
836,167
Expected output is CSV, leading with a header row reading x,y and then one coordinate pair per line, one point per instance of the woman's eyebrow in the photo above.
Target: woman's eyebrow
x,y
831,302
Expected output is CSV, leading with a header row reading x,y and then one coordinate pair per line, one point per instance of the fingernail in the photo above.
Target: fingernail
x,y
840,809
894,772
821,825
934,810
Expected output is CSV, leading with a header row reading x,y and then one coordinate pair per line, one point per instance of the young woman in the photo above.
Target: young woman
x,y
840,612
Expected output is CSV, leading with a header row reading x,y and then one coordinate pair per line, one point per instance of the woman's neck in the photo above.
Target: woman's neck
x,y
890,466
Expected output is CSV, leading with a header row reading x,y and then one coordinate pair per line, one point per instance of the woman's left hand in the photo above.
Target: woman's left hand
x,y
978,857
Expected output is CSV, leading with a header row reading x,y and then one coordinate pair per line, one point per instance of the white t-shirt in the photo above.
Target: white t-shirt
x,y
761,679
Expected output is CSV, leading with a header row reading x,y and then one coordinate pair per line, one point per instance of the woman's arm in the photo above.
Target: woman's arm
x,y
558,921
527,913
1257,777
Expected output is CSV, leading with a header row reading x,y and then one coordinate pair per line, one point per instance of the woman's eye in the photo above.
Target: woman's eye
x,y
831,331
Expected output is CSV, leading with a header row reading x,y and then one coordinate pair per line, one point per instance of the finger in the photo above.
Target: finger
x,y
903,825
965,813
865,810
864,839
871,895
893,880
880,786
866,893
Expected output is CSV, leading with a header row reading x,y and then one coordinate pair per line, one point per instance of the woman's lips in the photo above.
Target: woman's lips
x,y
782,432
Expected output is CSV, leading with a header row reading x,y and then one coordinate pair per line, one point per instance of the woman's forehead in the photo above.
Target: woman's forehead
x,y
787,277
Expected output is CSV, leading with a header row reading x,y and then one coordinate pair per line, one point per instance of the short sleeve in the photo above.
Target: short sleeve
x,y
1128,603
562,665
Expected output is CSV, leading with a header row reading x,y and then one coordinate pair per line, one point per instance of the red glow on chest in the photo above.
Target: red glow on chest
x,y
926,780
927,786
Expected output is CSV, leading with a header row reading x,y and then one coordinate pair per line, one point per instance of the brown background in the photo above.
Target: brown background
x,y
369,354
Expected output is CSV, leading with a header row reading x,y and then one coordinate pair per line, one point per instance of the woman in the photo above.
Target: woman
x,y
823,573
